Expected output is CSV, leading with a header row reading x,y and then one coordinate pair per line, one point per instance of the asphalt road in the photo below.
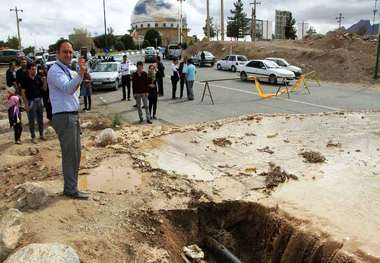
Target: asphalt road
x,y
235,98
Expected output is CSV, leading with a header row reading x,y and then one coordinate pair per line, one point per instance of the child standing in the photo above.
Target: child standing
x,y
86,91
153,93
14,113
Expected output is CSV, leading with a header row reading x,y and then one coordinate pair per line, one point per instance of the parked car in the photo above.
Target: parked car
x,y
10,55
174,51
106,75
231,62
40,57
150,55
208,60
285,65
265,70
51,59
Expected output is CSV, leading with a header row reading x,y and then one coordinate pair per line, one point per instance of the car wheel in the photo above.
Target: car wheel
x,y
233,69
218,67
243,76
272,79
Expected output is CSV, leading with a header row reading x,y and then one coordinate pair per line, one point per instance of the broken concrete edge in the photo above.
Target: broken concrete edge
x,y
281,237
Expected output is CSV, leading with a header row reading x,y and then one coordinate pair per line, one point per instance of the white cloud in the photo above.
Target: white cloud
x,y
44,21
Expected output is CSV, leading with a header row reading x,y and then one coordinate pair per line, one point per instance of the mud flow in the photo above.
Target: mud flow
x,y
247,232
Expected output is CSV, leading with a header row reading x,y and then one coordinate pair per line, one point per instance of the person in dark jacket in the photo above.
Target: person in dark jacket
x,y
174,78
11,75
42,73
160,76
182,76
141,90
153,93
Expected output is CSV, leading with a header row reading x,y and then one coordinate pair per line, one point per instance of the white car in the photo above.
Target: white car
x,y
285,65
106,75
231,62
51,59
265,70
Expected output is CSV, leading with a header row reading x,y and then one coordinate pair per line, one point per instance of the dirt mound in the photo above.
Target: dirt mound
x,y
313,157
337,57
276,176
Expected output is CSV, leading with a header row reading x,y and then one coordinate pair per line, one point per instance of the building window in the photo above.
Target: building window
x,y
148,25
164,25
172,25
141,25
156,25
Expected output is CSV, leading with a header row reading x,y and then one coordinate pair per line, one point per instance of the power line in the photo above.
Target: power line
x,y
253,22
18,20
340,20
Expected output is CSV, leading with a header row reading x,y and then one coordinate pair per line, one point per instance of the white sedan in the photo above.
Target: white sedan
x,y
285,65
106,75
265,70
231,62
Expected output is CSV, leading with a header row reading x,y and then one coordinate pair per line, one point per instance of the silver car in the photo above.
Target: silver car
x,y
106,75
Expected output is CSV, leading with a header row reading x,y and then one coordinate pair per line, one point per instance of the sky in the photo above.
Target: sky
x,y
45,21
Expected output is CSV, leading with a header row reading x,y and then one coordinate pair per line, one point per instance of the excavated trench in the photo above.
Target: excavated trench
x,y
249,232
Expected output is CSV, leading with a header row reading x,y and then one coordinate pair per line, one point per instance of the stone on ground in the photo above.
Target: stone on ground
x,y
10,232
30,196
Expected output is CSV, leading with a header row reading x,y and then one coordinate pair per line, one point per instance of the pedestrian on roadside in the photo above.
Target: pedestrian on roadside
x,y
63,85
126,77
86,91
174,78
203,58
182,74
160,75
42,73
141,90
153,93
14,113
190,77
32,93
11,75
21,74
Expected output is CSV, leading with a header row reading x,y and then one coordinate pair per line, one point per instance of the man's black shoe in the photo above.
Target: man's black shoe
x,y
78,195
148,121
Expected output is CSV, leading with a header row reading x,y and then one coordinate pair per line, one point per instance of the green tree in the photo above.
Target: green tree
x,y
81,38
238,23
119,45
128,42
100,42
212,28
29,50
290,28
151,36
12,42
2,44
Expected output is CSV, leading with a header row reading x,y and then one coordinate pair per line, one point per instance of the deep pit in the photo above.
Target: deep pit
x,y
250,232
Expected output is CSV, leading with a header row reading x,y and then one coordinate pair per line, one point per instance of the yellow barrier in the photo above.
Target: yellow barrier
x,y
262,93
313,76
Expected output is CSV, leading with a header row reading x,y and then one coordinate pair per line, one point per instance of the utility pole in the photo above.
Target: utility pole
x,y
180,21
340,19
253,22
18,20
374,16
222,19
377,58
208,21
105,23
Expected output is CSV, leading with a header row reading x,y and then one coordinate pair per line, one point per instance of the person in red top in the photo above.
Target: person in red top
x,y
141,90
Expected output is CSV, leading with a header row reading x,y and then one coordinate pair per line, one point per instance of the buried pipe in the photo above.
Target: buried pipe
x,y
220,251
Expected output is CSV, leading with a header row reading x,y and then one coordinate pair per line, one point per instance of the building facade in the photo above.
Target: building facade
x,y
281,21
162,16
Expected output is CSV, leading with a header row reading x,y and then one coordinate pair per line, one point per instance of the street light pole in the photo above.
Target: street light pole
x,y
222,19
105,23
377,58
208,26
18,20
253,24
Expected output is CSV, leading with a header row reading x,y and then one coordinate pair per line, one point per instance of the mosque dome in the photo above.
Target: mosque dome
x,y
156,11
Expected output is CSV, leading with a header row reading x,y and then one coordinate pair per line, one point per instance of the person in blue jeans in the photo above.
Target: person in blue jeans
x,y
190,77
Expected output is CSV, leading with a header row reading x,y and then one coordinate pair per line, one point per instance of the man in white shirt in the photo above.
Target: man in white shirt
x,y
126,77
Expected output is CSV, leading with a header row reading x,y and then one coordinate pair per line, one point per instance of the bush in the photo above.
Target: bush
x,y
119,46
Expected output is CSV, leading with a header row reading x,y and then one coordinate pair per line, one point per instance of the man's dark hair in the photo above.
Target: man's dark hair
x,y
190,61
125,56
61,42
139,63
30,65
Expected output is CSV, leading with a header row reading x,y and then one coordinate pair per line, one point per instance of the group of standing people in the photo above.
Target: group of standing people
x,y
184,73
28,86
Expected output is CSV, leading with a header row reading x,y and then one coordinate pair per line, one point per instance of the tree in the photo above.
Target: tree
x,y
119,45
29,50
13,42
128,42
100,42
81,38
290,28
238,23
2,44
212,28
151,36
311,31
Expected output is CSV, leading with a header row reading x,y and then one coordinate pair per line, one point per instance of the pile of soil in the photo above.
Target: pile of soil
x,y
313,157
351,57
222,142
276,176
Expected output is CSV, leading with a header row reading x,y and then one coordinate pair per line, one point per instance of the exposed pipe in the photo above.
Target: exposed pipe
x,y
221,252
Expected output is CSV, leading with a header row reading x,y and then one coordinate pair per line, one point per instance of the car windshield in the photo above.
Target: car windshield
x,y
39,53
52,58
105,67
282,63
271,64
207,53
173,47
242,58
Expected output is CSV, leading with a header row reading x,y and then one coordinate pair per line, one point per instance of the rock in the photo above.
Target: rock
x,y
106,137
30,196
194,252
10,232
270,136
45,253
33,151
86,125
50,131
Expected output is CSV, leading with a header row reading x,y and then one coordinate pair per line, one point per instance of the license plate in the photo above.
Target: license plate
x,y
97,83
